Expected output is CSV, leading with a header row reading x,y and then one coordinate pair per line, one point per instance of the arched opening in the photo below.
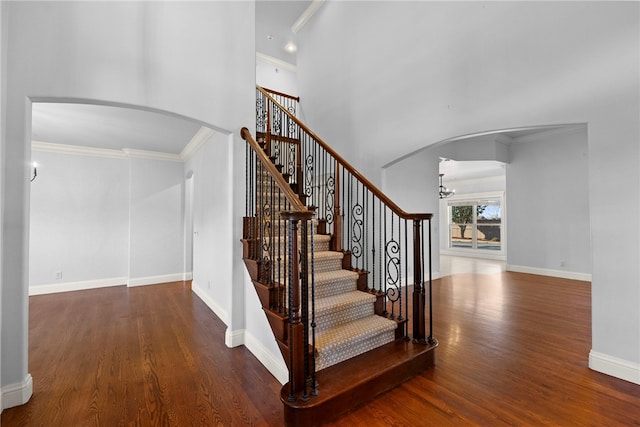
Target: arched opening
x,y
532,183
108,205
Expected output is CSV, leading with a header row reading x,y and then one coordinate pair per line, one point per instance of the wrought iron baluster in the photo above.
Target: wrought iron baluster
x,y
393,270
314,384
304,281
357,215
373,245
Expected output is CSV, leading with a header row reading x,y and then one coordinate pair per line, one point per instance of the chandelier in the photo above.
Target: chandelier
x,y
444,191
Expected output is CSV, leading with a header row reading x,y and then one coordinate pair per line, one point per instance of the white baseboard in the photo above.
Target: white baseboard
x,y
16,394
154,280
52,288
573,275
234,338
214,306
616,367
273,362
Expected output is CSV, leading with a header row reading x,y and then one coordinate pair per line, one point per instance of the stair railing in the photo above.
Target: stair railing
x,y
385,244
279,256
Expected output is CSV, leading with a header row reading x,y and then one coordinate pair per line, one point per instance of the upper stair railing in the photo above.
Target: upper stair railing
x,y
384,244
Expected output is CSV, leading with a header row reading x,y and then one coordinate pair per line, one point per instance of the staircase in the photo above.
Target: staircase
x,y
330,258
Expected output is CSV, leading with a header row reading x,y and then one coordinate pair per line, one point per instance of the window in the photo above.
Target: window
x,y
476,224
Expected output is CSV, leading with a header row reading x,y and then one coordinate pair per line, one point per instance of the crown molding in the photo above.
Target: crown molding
x,y
196,142
125,153
306,15
78,150
275,61
151,155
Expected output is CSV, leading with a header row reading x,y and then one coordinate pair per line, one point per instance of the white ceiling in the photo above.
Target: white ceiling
x,y
458,171
274,20
102,126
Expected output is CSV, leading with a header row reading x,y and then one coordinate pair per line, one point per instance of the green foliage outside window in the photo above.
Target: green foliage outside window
x,y
462,215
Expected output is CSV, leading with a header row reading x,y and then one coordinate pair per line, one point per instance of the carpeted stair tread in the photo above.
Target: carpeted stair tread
x,y
335,282
321,242
339,309
351,339
318,239
328,261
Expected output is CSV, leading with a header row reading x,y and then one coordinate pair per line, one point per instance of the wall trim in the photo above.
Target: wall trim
x,y
16,394
152,155
614,366
154,280
563,274
275,61
234,338
206,298
273,362
52,288
77,150
198,140
125,153
306,15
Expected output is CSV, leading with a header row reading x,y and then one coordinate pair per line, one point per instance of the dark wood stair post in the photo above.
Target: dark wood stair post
x,y
419,334
297,344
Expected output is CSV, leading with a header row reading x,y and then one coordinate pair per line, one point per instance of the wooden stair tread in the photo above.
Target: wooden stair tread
x,y
349,384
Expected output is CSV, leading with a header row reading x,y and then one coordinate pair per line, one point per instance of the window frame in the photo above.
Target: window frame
x,y
474,200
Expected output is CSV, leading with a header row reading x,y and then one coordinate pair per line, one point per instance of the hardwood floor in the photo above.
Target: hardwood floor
x,y
145,356
513,350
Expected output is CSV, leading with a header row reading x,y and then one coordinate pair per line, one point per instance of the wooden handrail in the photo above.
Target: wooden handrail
x,y
290,195
275,92
375,190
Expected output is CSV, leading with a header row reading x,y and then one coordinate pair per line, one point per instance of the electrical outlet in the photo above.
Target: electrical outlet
x,y
208,284
58,275
563,264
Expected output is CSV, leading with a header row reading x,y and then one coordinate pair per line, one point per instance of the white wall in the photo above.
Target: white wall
x,y
196,59
446,69
216,247
104,221
79,220
278,77
412,185
156,225
548,204
212,227
3,90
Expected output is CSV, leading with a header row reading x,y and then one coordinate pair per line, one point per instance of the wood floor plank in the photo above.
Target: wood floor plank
x,y
513,350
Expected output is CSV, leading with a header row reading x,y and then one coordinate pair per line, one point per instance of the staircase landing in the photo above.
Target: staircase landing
x,y
347,385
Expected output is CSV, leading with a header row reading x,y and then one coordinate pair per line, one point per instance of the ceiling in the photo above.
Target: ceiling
x,y
110,127
274,22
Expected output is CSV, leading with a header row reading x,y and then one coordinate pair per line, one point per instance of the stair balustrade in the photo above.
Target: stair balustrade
x,y
300,190
277,266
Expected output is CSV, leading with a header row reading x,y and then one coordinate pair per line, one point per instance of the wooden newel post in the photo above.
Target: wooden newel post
x,y
418,286
296,341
